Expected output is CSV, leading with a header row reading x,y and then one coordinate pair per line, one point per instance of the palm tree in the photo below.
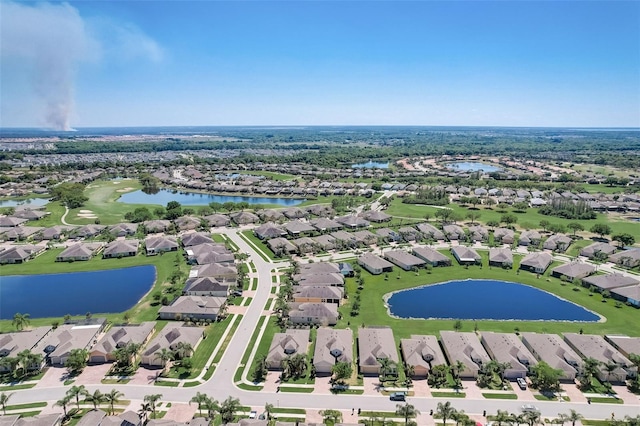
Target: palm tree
x,y
152,400
28,359
96,398
76,392
268,408
407,411
63,403
518,419
572,417
4,398
212,406
501,417
183,350
113,397
590,369
331,415
532,418
610,367
145,409
9,364
384,367
164,355
228,409
21,320
444,411
200,399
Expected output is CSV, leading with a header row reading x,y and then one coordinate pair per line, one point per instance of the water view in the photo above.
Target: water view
x,y
197,199
371,165
468,166
485,300
35,202
55,295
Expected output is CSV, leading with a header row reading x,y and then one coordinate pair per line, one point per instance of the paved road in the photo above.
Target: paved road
x,y
220,386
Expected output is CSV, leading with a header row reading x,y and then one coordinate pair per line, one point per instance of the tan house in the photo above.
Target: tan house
x,y
551,349
332,346
403,259
431,256
422,352
318,294
283,345
121,248
507,348
536,262
119,336
11,344
192,307
168,338
466,348
374,344
314,313
79,252
58,344
374,264
594,346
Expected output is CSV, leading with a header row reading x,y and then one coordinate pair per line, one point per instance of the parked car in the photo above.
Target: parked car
x,y
397,396
522,383
253,414
529,407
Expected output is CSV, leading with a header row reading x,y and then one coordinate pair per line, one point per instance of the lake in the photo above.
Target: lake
x,y
55,295
371,165
485,300
35,202
197,199
468,166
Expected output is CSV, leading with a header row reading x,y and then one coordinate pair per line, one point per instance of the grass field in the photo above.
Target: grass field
x,y
619,320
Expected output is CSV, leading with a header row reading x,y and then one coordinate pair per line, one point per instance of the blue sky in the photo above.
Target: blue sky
x,y
544,63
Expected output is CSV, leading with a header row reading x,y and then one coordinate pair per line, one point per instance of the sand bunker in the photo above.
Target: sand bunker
x,y
127,189
87,216
85,211
116,182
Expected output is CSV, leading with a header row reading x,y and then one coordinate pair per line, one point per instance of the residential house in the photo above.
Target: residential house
x,y
478,233
80,251
58,344
270,215
37,420
454,233
160,244
123,229
324,224
11,222
408,233
221,271
168,338
319,268
120,336
305,245
56,232
536,262
332,346
120,248
507,348
192,307
314,313
431,256
281,246
609,281
598,249
551,349
376,216
217,220
466,255
629,258
20,253
205,286
295,213
155,226
30,214
422,353
352,221
403,259
375,343
209,253
374,264
430,232
389,235
195,238
344,240
325,242
557,242
318,294
87,231
269,230
573,270
625,344
11,344
297,227
244,218
594,346
188,223
501,257
466,348
20,233
528,238
100,418
504,235
630,294
365,237
283,345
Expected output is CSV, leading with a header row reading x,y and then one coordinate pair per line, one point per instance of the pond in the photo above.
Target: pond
x,y
485,300
467,166
35,202
163,196
55,295
371,165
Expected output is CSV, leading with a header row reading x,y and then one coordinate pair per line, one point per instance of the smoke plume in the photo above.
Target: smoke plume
x,y
51,41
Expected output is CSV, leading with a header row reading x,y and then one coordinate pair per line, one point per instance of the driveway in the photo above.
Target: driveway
x,y
55,376
92,374
144,376
181,412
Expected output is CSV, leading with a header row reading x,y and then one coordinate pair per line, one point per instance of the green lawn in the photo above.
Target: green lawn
x,y
103,196
621,320
500,395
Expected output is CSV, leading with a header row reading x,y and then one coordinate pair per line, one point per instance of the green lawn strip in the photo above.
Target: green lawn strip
x,y
204,350
218,238
348,392
530,219
290,410
247,387
30,413
247,301
115,381
145,310
10,378
380,414
259,245
24,406
254,284
541,397
620,320
238,375
295,389
223,347
165,383
191,384
500,395
605,400
17,387
274,289
448,394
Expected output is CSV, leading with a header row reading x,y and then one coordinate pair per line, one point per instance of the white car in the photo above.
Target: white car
x,y
529,408
253,414
522,383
